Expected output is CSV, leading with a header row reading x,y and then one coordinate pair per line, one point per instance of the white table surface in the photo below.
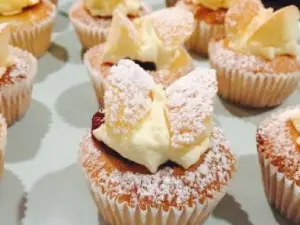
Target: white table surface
x,y
42,184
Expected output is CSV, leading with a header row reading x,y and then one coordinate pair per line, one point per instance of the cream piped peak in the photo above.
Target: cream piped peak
x,y
253,29
295,119
107,7
149,125
6,58
215,4
12,7
145,40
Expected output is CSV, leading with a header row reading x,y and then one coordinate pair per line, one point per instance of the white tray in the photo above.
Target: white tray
x,y
42,184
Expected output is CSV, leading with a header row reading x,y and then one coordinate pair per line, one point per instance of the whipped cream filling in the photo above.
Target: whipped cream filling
x,y
12,7
107,7
148,143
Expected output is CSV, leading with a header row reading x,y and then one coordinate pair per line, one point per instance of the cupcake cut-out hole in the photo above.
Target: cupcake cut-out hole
x,y
148,66
124,164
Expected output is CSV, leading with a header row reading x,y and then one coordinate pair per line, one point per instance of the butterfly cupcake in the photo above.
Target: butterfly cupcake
x,y
92,18
210,19
153,41
154,155
17,71
258,63
31,23
278,145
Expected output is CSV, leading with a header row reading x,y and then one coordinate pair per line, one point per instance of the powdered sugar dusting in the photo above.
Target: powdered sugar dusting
x,y
190,103
246,63
20,67
221,55
16,72
275,143
127,96
173,25
240,15
168,187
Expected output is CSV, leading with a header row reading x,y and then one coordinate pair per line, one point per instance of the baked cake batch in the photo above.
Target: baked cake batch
x,y
154,153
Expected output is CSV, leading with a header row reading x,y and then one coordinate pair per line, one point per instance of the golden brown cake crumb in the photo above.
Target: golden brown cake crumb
x,y
30,15
276,140
170,186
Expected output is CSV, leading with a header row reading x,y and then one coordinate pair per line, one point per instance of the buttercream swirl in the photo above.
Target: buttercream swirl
x,y
12,7
137,123
107,7
262,32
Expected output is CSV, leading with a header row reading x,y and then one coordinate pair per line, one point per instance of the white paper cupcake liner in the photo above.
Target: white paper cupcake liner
x,y
16,98
171,3
202,35
254,90
96,77
98,84
281,192
116,213
3,137
36,38
91,35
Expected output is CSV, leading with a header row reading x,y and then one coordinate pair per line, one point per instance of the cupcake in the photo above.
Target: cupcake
x,y
254,68
17,71
3,135
31,23
92,18
154,156
278,145
210,17
153,41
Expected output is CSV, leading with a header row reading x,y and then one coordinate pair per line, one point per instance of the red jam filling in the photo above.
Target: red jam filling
x,y
97,120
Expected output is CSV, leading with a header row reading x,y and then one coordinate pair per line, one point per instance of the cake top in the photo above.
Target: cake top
x,y
107,7
278,139
12,7
149,125
284,65
155,38
170,186
249,25
43,11
215,4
